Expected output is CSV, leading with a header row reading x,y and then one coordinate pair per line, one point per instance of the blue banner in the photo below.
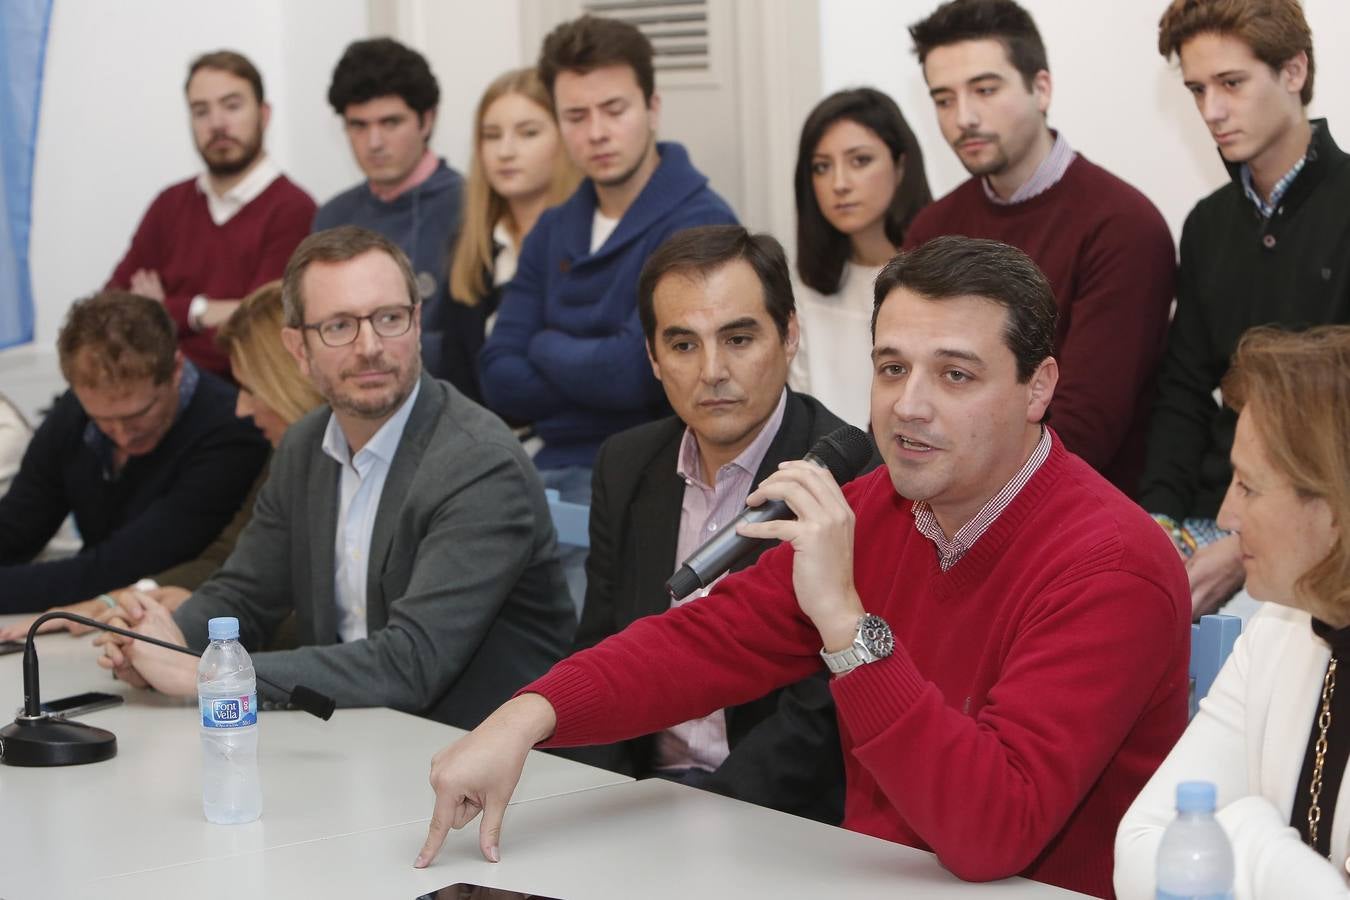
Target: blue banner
x,y
23,44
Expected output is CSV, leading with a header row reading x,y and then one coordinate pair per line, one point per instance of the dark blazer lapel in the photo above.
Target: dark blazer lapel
x,y
321,500
655,529
411,447
792,440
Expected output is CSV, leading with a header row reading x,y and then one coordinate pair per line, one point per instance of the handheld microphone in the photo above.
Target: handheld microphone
x,y
35,738
843,451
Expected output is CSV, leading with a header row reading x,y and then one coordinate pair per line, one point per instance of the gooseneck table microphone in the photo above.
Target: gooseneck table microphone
x,y
36,738
843,451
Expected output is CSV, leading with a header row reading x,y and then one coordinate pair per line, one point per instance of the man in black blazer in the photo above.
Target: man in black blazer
x,y
717,309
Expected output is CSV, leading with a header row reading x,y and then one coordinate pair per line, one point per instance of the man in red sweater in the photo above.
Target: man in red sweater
x,y
1105,248
1009,634
207,242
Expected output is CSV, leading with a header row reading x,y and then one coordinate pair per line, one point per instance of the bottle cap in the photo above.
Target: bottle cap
x,y
1196,796
223,628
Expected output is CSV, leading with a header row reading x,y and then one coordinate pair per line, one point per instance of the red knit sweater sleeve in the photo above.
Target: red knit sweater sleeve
x,y
745,639
1117,313
989,788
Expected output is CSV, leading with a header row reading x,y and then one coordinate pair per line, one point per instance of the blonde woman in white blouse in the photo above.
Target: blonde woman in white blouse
x,y
1274,731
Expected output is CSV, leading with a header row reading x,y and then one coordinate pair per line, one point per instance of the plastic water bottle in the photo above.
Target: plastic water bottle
x,y
1195,860
228,695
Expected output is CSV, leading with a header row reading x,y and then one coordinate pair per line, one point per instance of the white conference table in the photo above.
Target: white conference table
x,y
651,839
345,809
362,769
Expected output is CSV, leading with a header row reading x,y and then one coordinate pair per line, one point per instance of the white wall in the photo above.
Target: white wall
x,y
1115,98
468,45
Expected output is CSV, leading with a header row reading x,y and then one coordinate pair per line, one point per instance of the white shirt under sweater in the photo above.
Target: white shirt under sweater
x,y
834,360
362,484
1249,738
602,227
223,207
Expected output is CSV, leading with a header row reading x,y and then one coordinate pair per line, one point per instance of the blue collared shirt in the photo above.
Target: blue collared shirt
x,y
1267,209
1046,176
362,484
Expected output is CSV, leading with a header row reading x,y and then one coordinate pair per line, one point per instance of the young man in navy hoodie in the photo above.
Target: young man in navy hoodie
x,y
387,96
567,351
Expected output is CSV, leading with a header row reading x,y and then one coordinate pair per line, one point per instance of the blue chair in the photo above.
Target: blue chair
x,y
572,521
1212,639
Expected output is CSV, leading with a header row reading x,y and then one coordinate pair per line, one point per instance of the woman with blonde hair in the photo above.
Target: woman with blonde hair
x,y
272,390
275,394
1273,734
519,169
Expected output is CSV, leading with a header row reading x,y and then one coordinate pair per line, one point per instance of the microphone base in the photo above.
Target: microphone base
x,y
51,741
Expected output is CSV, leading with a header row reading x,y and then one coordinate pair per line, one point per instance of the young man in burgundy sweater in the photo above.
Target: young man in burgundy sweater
x,y
1009,634
207,242
1102,244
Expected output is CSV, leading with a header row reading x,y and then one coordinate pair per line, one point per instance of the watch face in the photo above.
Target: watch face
x,y
876,636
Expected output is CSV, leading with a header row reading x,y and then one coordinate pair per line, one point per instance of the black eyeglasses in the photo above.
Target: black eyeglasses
x,y
386,322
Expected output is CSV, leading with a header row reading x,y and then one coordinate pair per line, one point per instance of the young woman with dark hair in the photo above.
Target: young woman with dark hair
x,y
859,183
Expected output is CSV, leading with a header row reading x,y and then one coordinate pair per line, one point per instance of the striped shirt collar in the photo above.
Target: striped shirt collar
x,y
1046,176
1276,193
951,551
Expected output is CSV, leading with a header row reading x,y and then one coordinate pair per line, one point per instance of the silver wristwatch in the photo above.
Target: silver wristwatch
x,y
196,309
874,641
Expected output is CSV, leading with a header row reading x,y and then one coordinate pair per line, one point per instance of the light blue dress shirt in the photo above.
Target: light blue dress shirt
x,y
363,478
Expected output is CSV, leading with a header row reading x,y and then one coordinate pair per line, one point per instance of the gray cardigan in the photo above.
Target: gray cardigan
x,y
466,602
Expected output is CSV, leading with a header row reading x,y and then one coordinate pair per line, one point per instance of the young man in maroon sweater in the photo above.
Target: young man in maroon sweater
x,y
207,242
1009,633
1105,248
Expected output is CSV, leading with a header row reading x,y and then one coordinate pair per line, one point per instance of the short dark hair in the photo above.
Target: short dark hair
x,y
955,266
591,42
822,249
703,250
973,20
381,67
337,245
1275,30
129,338
237,64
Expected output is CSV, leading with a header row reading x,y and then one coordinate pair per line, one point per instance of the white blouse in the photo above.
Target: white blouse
x,y
834,361
1249,738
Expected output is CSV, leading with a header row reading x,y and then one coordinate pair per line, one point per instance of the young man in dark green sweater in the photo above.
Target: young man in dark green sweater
x,y
1270,247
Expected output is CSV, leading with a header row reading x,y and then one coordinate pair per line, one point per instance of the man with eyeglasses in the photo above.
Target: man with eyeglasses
x,y
144,451
404,525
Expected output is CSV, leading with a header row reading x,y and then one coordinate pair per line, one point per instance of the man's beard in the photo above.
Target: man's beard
x,y
366,407
249,152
